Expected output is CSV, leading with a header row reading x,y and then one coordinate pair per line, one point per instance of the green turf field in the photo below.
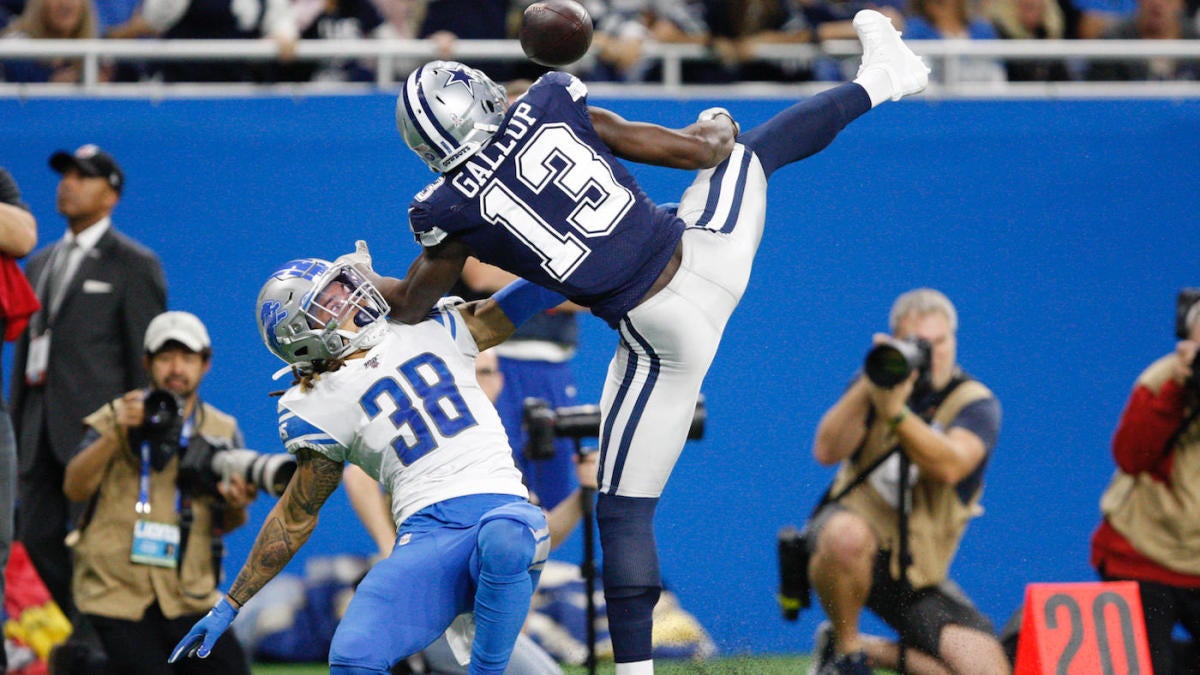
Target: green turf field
x,y
742,665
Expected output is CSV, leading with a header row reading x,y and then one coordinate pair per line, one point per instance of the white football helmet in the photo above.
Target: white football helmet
x,y
312,310
447,112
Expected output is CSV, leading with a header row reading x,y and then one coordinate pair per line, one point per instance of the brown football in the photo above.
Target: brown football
x,y
556,32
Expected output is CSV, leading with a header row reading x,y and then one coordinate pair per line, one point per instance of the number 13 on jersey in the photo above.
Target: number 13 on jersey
x,y
556,157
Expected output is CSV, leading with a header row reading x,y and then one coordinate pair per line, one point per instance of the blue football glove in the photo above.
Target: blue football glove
x,y
200,639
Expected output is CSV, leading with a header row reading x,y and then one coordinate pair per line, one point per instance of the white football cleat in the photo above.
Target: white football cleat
x,y
883,49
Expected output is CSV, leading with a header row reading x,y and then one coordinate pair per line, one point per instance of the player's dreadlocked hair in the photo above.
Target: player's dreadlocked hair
x,y
307,376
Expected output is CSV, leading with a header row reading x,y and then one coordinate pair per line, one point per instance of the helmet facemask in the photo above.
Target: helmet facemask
x,y
346,311
312,311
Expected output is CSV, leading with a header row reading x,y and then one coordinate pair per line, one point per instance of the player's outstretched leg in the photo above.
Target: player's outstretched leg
x,y
805,128
889,70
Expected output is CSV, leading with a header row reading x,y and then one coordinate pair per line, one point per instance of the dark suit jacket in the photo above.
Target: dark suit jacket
x,y
96,343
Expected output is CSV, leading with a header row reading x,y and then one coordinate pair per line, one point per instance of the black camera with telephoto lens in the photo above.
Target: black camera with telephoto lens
x,y
204,465
795,591
891,362
162,426
543,424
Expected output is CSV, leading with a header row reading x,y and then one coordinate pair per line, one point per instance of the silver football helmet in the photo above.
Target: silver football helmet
x,y
313,310
447,112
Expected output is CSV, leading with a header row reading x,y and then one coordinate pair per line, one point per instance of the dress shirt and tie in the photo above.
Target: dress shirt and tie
x,y
64,263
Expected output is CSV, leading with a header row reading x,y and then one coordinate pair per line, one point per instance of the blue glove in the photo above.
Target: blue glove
x,y
200,639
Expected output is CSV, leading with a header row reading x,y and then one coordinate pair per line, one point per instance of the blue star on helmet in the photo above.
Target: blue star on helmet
x,y
460,76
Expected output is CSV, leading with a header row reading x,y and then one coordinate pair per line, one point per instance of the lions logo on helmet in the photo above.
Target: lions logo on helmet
x,y
447,112
311,310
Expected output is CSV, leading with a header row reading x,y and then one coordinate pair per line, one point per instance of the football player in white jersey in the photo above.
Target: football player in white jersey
x,y
401,402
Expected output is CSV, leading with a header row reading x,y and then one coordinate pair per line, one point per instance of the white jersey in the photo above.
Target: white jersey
x,y
411,414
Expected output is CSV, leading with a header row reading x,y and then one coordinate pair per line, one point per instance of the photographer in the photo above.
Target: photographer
x,y
147,554
1151,527
937,427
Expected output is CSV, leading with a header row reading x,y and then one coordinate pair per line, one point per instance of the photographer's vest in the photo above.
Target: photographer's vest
x,y
939,515
105,581
1161,520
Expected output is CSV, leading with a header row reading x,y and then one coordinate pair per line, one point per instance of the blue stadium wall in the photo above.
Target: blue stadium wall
x,y
1061,229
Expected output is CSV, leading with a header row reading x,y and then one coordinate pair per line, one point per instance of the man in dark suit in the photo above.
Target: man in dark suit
x,y
99,290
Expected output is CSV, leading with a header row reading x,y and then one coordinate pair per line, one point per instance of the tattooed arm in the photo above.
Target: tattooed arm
x,y
288,525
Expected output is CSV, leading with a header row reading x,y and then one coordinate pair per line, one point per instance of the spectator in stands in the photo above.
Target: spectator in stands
x,y
624,27
833,21
113,13
1096,16
447,21
739,28
1154,20
335,20
215,20
51,19
1149,533
400,15
1030,20
952,20
10,9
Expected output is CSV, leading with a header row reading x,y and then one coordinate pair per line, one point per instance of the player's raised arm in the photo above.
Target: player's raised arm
x,y
429,278
701,145
286,529
493,319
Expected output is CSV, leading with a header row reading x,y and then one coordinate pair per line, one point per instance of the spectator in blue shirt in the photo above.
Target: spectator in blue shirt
x,y
1095,16
952,20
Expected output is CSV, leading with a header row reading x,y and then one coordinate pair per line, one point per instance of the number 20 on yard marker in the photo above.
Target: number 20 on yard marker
x,y
1083,629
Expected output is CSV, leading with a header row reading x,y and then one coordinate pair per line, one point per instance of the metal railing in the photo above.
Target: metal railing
x,y
395,58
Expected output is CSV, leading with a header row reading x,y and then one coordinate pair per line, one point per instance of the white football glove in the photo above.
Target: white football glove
x,y
713,113
361,258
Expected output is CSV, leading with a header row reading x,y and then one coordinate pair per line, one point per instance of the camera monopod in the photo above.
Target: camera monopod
x,y
543,424
587,503
904,507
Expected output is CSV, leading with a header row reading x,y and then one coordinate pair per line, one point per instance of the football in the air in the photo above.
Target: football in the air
x,y
556,32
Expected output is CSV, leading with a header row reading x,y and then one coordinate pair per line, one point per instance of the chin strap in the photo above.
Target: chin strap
x,y
282,371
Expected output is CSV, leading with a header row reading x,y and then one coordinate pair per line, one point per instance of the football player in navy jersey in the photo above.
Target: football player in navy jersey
x,y
537,188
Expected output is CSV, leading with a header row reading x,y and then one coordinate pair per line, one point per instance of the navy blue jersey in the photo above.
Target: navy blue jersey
x,y
547,200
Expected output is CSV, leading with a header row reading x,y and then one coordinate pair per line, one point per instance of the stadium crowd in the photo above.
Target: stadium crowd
x,y
732,30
